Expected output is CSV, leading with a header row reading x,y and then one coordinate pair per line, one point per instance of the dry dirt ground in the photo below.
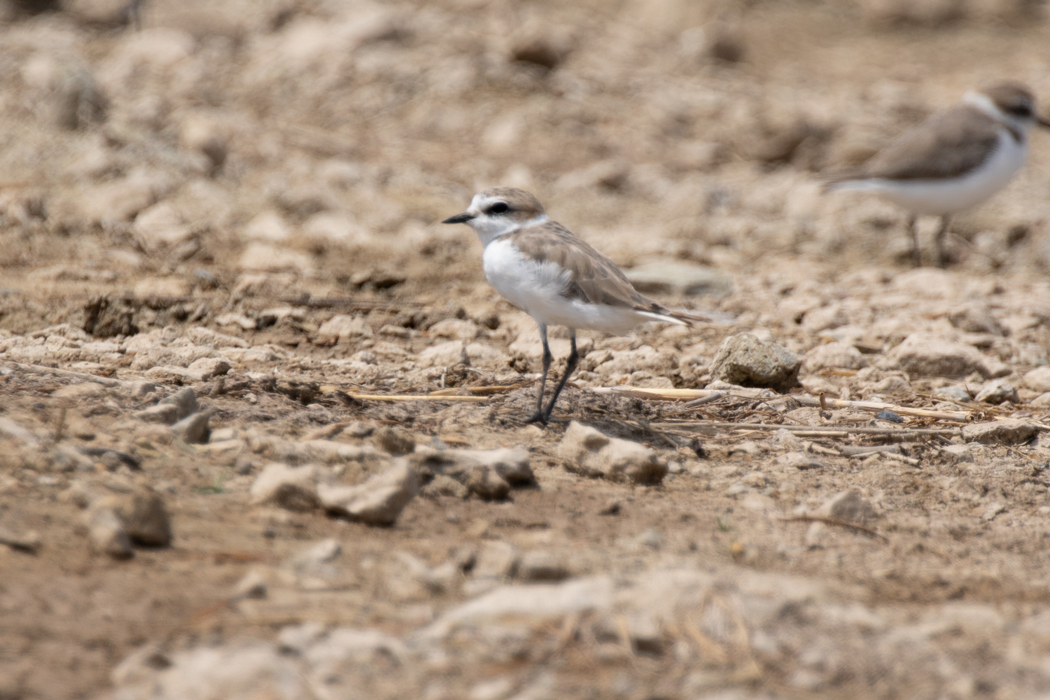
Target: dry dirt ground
x,y
242,198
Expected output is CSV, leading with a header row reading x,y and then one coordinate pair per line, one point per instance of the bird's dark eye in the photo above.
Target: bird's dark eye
x,y
498,208
1021,110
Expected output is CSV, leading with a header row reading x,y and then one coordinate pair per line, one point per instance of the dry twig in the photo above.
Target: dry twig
x,y
827,520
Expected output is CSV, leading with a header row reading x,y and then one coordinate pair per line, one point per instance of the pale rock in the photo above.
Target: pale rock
x,y
1004,432
345,648
975,319
486,357
646,358
958,453
317,555
145,519
162,225
953,392
166,414
237,670
163,287
455,328
121,199
107,533
342,328
184,401
264,256
540,565
851,507
443,485
890,386
825,318
747,361
492,689
1041,401
67,458
252,586
394,440
611,174
996,392
149,49
292,488
140,666
377,501
11,429
927,283
206,336
205,133
207,368
923,355
448,354
297,638
1038,379
532,601
587,451
335,227
192,429
833,356
308,41
268,227
799,460
679,278
334,452
497,560
486,473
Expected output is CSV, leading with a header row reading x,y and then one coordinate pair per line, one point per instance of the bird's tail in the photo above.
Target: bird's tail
x,y
710,317
662,313
843,180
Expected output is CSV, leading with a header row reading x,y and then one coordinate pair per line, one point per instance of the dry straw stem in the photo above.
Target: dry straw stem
x,y
696,397
481,390
393,398
817,430
38,369
836,521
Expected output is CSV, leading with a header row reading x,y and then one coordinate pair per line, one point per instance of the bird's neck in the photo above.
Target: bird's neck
x,y
492,231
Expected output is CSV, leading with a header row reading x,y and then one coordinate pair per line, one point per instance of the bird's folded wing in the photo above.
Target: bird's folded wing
x,y
948,144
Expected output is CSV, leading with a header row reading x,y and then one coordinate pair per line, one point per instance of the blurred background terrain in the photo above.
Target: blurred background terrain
x,y
258,183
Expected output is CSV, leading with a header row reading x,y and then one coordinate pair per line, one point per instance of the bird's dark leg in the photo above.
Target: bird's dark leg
x,y
538,416
570,367
913,232
942,234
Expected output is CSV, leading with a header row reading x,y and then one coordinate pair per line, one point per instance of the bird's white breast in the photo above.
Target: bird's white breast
x,y
939,197
537,288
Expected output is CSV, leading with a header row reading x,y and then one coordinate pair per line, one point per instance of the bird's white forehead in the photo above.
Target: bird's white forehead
x,y
480,201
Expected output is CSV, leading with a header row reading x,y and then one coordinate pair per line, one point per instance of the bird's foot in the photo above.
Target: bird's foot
x,y
537,417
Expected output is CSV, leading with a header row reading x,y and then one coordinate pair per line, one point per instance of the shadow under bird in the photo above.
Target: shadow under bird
x,y
954,160
551,274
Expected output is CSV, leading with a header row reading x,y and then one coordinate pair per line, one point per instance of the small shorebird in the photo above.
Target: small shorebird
x,y
953,160
548,272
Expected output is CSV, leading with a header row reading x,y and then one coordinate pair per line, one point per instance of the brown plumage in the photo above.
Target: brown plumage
x,y
593,278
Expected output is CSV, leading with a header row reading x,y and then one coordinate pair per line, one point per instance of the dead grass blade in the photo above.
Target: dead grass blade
x,y
697,397
394,398
818,430
827,520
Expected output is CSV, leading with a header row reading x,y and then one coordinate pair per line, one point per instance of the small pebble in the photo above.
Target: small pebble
x,y
889,416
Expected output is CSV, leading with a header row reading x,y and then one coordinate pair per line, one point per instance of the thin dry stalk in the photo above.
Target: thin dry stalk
x,y
876,406
819,430
827,520
38,369
394,398
694,396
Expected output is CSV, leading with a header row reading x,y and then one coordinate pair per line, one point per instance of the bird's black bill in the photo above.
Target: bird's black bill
x,y
458,218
